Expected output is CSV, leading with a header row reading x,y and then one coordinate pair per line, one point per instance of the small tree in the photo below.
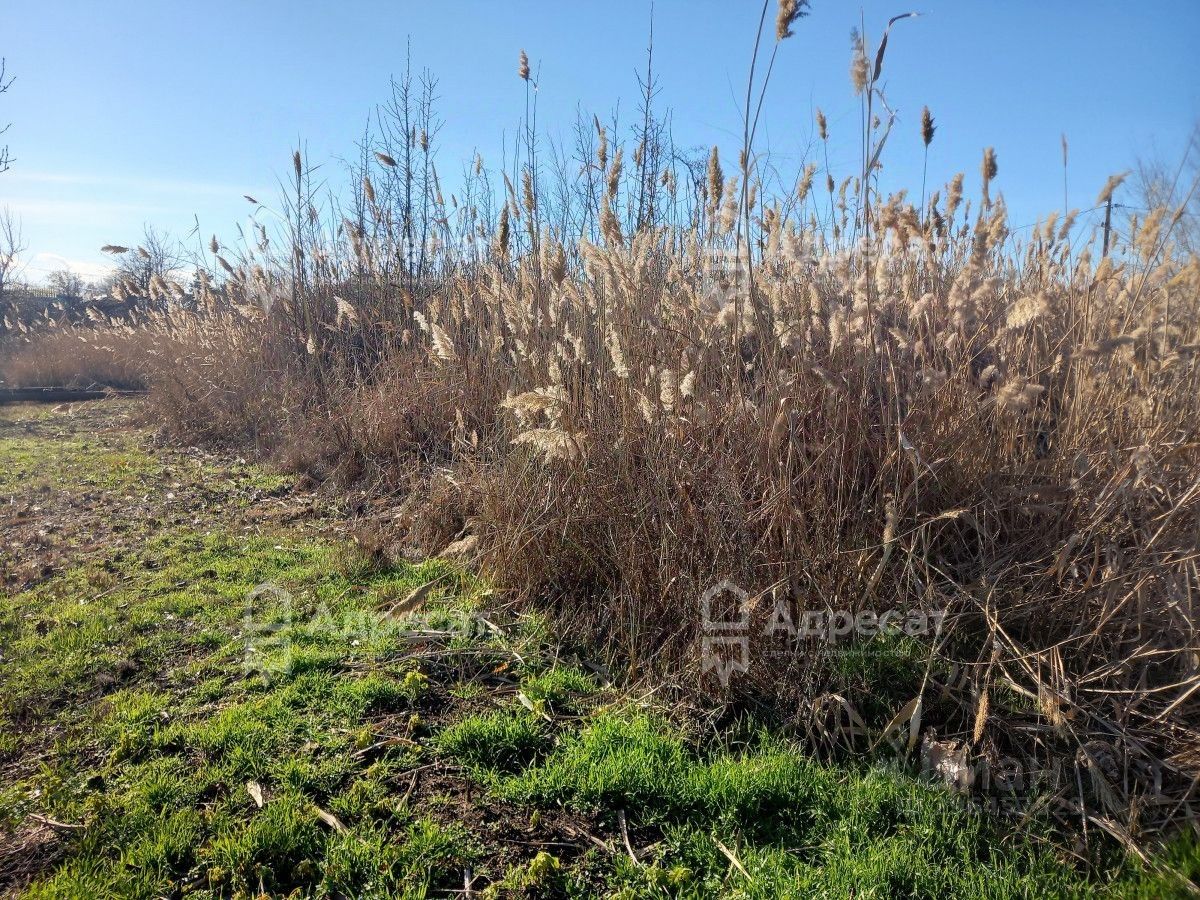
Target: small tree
x,y
1176,186
11,247
157,256
66,284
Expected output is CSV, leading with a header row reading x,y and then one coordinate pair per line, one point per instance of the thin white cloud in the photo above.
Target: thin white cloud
x,y
68,216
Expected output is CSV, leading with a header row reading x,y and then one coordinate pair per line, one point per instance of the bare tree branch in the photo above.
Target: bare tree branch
x,y
1162,182
5,82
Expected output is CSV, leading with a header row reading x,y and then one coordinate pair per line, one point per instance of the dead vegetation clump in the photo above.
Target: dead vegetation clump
x,y
75,358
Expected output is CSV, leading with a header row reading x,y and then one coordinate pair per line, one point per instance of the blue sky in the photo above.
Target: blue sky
x,y
128,112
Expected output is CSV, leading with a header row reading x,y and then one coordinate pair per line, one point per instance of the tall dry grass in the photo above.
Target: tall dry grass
x,y
905,407
71,359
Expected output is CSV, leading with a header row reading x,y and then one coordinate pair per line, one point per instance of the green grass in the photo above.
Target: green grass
x,y
155,690
559,687
500,741
74,464
797,828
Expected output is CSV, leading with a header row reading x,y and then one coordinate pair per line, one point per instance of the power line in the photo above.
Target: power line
x,y
1149,209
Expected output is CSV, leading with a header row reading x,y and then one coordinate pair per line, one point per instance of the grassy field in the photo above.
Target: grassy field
x,y
227,707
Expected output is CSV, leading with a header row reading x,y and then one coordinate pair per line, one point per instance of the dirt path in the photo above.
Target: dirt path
x,y
84,481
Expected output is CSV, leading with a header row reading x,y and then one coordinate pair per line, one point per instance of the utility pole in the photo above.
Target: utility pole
x,y
1107,223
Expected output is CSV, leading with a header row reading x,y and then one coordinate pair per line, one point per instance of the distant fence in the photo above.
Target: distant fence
x,y
26,294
